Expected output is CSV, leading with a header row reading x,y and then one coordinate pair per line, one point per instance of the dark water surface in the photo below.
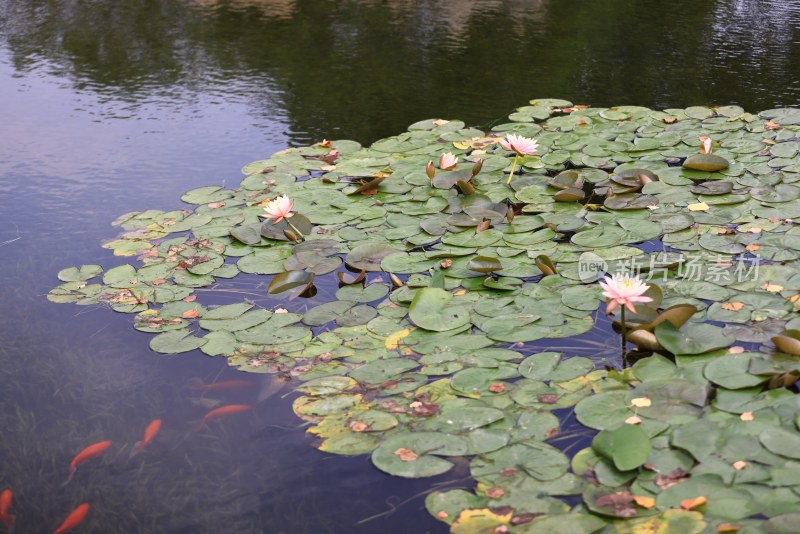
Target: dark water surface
x,y
112,106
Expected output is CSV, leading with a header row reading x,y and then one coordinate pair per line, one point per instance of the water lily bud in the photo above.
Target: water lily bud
x,y
430,170
291,235
477,167
396,282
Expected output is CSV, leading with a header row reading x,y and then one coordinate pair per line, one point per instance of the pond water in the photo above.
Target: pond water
x,y
111,107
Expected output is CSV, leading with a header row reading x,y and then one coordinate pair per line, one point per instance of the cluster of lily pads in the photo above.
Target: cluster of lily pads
x,y
440,345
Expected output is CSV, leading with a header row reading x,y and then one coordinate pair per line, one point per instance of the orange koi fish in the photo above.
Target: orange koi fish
x,y
222,411
149,433
74,518
92,451
225,385
6,498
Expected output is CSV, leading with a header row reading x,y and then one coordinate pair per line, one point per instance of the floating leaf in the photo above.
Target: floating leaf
x,y
482,520
691,338
705,162
538,460
249,235
717,187
698,206
780,441
290,280
627,446
277,231
787,344
430,309
84,272
369,185
545,264
630,201
348,279
419,454
175,342
484,264
569,195
368,256
551,366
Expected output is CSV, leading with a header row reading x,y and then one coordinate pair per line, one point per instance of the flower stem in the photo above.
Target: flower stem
x,y
293,227
624,332
513,168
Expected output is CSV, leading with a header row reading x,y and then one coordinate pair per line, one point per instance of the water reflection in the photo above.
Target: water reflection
x,y
278,9
768,27
357,69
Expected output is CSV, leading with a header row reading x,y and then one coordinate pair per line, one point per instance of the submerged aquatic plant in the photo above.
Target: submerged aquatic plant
x,y
522,146
623,291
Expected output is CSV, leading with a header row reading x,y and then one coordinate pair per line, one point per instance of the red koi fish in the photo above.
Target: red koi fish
x,y
92,451
226,385
149,433
6,497
222,411
74,518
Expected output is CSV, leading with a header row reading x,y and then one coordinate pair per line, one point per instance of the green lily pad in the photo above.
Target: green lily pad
x,y
368,256
627,446
606,410
326,312
484,264
705,162
84,272
417,454
175,342
551,366
205,195
731,372
538,460
723,502
430,309
381,370
781,441
691,338
289,280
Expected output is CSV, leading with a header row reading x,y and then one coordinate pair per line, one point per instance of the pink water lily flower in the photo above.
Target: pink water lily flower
x,y
447,161
705,148
624,290
279,209
523,146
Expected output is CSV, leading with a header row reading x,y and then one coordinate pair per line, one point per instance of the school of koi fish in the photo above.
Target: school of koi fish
x,y
79,514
